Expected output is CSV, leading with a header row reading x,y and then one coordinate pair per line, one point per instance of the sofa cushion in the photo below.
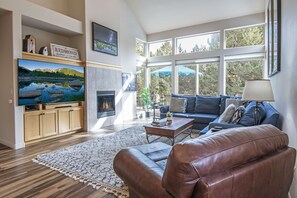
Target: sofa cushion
x,y
183,115
178,105
228,113
248,116
203,118
207,104
272,115
191,101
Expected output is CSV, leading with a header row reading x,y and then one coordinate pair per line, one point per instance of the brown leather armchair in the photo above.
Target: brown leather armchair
x,y
251,162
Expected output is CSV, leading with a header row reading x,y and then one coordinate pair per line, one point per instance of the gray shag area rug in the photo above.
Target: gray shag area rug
x,y
91,162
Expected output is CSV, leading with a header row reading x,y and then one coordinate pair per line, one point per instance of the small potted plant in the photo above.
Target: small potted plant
x,y
146,99
169,116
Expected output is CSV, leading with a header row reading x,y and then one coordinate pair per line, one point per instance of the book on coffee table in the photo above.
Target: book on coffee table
x,y
159,123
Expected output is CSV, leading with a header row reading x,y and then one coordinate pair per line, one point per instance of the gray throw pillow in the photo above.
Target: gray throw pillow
x,y
236,102
228,113
237,115
178,105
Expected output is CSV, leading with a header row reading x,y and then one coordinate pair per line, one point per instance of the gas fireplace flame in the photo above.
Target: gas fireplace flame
x,y
106,105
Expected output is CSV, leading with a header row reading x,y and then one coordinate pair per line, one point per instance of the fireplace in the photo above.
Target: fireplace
x,y
105,103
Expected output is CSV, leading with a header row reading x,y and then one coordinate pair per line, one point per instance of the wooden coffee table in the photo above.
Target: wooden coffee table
x,y
178,126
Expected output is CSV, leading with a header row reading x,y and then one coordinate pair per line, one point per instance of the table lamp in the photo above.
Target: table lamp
x,y
259,91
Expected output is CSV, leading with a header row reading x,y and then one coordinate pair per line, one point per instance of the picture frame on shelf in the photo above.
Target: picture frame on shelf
x,y
273,18
64,52
105,40
129,81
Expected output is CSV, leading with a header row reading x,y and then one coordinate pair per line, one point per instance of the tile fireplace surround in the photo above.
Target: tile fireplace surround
x,y
103,80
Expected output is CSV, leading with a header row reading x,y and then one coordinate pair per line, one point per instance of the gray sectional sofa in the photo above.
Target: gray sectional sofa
x,y
206,110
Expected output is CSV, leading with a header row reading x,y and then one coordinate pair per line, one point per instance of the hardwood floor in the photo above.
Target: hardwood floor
x,y
20,177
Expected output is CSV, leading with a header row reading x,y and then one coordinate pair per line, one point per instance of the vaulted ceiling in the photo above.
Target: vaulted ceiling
x,y
161,15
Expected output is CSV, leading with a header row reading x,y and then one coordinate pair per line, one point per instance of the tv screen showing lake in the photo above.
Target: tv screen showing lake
x,y
42,82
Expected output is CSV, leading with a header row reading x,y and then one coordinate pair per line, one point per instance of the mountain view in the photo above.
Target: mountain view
x,y
61,72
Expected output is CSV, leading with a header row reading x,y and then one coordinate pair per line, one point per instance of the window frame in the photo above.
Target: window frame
x,y
159,41
242,27
196,35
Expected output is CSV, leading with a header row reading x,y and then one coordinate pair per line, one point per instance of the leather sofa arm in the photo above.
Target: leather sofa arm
x,y
140,173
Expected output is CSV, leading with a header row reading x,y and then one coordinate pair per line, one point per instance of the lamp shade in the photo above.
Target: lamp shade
x,y
258,90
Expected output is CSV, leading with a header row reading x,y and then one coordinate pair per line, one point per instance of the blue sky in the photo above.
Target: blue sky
x,y
32,65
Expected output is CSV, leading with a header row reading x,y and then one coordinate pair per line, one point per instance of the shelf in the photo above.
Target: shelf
x,y
51,59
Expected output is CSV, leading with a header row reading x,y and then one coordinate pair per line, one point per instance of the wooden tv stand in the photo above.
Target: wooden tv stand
x,y
52,120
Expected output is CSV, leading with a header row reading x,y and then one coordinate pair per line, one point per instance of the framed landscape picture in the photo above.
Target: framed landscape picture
x,y
274,36
105,40
129,81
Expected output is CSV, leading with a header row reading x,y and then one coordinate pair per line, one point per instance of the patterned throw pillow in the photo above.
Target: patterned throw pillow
x,y
237,115
178,105
228,113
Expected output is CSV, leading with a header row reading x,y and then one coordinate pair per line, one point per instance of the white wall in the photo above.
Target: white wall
x,y
130,29
284,83
7,135
114,14
56,5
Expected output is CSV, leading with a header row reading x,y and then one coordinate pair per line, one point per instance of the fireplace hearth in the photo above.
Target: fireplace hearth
x,y
105,103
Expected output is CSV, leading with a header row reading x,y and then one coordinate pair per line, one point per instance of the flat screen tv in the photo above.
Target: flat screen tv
x,y
105,40
43,82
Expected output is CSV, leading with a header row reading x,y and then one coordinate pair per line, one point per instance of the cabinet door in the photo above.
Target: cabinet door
x,y
32,126
49,123
76,118
64,120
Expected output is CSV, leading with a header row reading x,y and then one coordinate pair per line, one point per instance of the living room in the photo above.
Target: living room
x,y
184,48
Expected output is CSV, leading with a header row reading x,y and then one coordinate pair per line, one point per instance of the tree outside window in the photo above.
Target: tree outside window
x,y
160,84
163,48
242,37
198,43
140,75
240,71
140,48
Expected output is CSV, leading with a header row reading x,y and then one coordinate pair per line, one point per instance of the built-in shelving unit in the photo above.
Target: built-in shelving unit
x,y
51,59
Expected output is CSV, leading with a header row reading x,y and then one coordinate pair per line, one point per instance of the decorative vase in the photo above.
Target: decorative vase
x,y
169,121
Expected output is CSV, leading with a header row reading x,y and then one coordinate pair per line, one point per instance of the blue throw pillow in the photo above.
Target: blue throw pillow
x,y
207,104
248,116
191,101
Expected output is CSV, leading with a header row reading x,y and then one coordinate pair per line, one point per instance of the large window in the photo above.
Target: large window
x,y
161,83
199,62
202,78
160,48
140,48
140,75
242,37
240,71
198,43
186,79
208,79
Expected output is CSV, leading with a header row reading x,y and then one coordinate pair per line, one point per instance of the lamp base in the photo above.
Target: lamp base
x,y
257,114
